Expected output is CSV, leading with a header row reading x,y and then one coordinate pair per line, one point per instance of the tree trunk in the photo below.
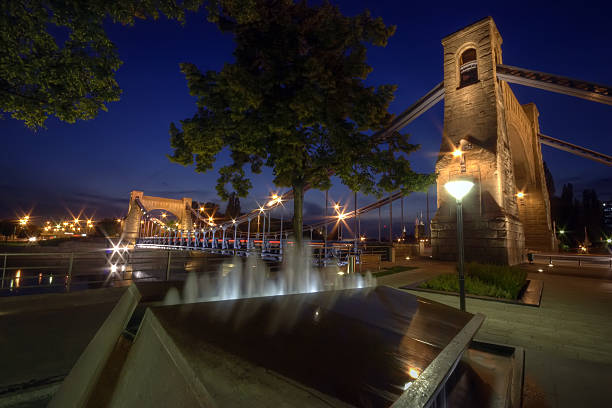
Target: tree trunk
x,y
298,205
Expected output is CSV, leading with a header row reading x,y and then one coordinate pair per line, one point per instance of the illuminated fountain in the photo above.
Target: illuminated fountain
x,y
238,278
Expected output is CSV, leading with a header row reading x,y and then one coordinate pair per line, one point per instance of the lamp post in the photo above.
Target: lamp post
x,y
459,189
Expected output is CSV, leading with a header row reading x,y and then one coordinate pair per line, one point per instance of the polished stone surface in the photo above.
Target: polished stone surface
x,y
361,346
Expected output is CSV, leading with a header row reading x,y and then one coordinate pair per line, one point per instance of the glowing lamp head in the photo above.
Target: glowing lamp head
x,y
561,232
457,153
458,188
336,206
609,240
520,194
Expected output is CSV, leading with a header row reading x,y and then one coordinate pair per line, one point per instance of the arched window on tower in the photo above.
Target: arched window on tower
x,y
468,67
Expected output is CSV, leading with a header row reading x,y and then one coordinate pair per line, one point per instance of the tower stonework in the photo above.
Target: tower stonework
x,y
475,123
180,208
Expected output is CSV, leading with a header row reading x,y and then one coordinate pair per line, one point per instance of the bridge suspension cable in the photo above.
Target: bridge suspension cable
x,y
556,83
575,149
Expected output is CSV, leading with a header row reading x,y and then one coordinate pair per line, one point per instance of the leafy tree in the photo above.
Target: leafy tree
x,y
550,182
232,209
593,215
295,100
7,227
108,227
56,59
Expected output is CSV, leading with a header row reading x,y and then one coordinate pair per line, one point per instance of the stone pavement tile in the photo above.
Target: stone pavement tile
x,y
42,336
553,381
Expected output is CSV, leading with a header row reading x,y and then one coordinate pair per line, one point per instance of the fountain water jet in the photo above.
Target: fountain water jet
x,y
237,279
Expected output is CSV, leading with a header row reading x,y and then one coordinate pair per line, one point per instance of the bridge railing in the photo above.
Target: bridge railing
x,y
270,246
44,272
595,261
63,271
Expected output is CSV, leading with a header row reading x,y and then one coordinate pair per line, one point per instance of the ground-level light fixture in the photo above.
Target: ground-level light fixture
x,y
459,189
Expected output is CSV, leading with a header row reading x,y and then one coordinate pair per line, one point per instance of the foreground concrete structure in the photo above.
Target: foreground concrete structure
x,y
290,350
508,210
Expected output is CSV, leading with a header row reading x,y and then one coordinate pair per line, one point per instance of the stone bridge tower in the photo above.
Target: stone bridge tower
x,y
180,208
508,210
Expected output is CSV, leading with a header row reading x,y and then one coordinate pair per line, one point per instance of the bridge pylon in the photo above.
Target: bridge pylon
x,y
492,140
139,203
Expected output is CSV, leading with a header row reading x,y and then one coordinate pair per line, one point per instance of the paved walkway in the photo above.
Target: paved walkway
x,y
568,339
42,336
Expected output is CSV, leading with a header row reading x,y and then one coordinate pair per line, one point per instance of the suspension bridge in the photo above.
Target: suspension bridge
x,y
500,149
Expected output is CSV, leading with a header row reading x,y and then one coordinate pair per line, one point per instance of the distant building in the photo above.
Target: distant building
x,y
607,210
419,229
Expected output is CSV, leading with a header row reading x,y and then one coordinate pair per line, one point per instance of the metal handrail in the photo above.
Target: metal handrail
x,y
582,260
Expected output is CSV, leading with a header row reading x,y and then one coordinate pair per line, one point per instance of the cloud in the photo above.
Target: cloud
x,y
313,210
50,203
195,194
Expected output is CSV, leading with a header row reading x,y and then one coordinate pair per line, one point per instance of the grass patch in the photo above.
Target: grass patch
x,y
483,280
392,270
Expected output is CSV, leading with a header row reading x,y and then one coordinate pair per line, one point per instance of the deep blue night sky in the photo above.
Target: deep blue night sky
x,y
95,164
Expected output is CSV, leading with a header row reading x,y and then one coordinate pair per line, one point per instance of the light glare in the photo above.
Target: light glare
x,y
459,188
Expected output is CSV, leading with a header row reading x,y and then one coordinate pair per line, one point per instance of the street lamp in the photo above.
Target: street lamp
x,y
459,189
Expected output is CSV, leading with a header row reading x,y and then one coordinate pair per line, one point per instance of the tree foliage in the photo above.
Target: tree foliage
x,y
232,210
108,227
56,59
295,100
7,227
